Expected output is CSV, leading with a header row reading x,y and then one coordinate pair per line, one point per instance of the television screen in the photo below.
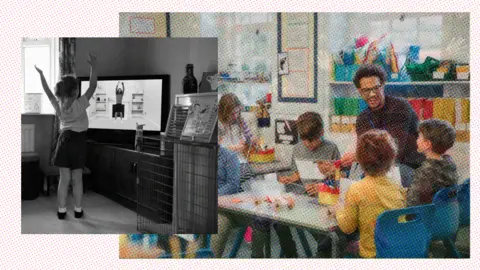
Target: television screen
x,y
123,102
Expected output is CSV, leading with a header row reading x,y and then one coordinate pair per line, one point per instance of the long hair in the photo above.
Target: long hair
x,y
65,89
226,105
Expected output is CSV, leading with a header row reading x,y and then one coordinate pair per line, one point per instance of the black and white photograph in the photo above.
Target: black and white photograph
x,y
100,154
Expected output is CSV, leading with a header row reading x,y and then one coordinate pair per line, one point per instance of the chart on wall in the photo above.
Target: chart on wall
x,y
123,104
201,119
297,39
143,24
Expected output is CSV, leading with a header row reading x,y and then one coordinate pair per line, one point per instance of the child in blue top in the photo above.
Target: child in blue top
x,y
228,172
70,154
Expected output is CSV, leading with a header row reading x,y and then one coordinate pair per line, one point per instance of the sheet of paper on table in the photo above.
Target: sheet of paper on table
x,y
308,170
271,177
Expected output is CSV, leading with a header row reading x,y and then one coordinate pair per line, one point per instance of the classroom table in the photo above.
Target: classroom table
x,y
306,214
281,164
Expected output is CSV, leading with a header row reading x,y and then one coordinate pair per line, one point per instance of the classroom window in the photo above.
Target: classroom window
x,y
425,31
43,53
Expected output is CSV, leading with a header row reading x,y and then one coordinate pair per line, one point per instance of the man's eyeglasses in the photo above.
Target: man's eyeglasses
x,y
367,91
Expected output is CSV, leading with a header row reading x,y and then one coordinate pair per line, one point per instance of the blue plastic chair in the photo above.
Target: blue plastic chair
x,y
445,223
464,200
204,252
237,242
411,239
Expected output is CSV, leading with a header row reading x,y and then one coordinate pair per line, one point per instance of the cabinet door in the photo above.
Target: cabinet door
x,y
99,161
92,164
105,170
125,179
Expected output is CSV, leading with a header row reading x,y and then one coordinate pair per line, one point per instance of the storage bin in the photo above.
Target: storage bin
x,y
345,73
338,105
423,72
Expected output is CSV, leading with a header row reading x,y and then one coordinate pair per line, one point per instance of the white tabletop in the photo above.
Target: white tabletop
x,y
307,212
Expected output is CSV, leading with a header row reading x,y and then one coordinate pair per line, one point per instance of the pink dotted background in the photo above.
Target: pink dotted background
x,y
89,18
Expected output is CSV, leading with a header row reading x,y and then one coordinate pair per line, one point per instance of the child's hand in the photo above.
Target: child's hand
x,y
39,70
347,159
92,59
326,168
332,210
311,189
284,179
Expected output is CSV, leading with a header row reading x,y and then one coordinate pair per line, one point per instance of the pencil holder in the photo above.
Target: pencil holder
x,y
328,194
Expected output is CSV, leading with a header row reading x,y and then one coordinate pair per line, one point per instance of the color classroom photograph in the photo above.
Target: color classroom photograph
x,y
340,135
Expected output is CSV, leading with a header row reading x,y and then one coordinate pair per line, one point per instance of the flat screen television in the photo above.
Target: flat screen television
x,y
121,102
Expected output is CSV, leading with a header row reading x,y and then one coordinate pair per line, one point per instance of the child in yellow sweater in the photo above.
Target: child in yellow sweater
x,y
368,198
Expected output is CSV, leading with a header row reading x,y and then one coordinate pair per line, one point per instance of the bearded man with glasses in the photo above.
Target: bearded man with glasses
x,y
385,112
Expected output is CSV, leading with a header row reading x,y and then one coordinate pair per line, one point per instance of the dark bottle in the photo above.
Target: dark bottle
x,y
189,83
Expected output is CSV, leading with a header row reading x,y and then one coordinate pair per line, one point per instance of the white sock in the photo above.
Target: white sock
x,y
78,209
62,210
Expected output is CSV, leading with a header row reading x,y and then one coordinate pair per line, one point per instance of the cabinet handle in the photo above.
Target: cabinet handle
x,y
135,168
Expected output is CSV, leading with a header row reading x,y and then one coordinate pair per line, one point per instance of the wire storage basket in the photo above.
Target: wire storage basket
x,y
176,186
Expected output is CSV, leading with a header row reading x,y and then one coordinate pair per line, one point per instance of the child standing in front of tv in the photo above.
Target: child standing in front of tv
x,y
70,154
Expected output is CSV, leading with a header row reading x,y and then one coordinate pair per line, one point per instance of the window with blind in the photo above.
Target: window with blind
x,y
425,31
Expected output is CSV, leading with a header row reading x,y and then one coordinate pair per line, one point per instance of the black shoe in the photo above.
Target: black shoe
x,y
61,215
78,214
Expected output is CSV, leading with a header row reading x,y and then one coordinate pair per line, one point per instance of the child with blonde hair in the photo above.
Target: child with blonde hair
x,y
70,154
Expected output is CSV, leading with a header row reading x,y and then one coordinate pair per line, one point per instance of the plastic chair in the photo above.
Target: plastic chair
x,y
205,252
410,239
445,223
237,242
464,201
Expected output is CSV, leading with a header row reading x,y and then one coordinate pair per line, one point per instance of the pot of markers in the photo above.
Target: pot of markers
x,y
329,190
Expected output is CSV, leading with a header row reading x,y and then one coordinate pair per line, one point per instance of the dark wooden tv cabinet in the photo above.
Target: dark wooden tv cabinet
x,y
114,174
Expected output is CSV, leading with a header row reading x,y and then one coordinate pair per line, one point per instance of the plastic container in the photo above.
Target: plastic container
x,y
328,195
345,73
424,71
462,72
339,105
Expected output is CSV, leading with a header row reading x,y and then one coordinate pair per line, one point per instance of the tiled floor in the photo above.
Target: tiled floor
x,y
102,216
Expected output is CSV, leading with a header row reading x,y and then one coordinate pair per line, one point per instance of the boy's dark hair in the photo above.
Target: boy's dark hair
x,y
369,70
66,86
440,133
309,126
376,152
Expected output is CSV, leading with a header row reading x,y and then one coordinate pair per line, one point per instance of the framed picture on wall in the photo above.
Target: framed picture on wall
x,y
282,63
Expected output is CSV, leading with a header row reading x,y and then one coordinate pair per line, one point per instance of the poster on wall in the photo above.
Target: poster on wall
x,y
143,24
201,119
286,132
298,39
